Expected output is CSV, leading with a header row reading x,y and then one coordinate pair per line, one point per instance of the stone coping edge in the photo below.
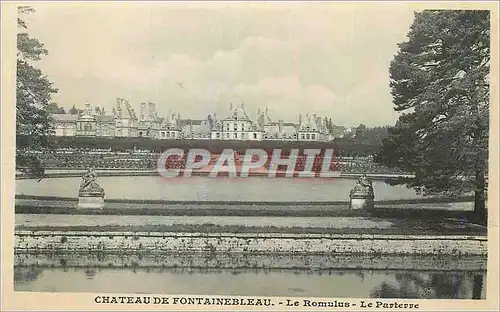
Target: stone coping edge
x,y
256,235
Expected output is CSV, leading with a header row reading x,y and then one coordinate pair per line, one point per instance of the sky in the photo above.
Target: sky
x,y
328,59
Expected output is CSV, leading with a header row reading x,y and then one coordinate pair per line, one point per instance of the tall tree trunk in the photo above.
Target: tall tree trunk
x,y
479,198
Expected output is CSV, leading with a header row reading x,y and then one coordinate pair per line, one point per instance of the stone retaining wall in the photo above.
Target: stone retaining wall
x,y
235,261
121,242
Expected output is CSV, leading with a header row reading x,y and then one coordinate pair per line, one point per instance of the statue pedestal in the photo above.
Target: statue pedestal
x,y
361,200
90,202
90,195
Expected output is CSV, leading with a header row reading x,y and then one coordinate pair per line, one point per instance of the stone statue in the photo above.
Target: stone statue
x,y
89,186
363,185
362,196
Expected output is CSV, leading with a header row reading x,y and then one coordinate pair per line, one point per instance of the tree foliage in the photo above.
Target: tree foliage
x,y
74,111
33,93
440,84
53,108
371,135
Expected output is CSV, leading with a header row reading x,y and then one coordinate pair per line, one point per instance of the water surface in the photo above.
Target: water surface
x,y
338,283
215,189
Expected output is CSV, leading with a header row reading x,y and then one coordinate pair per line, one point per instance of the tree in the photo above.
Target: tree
x,y
360,132
440,84
53,108
325,122
33,93
74,111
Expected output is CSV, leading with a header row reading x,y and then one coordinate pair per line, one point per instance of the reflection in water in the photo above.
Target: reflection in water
x,y
27,274
255,282
435,286
477,288
90,273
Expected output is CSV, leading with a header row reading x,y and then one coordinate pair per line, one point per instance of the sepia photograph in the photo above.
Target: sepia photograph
x,y
224,154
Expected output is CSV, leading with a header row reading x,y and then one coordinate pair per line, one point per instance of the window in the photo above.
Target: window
x,y
242,127
217,135
307,136
302,136
235,127
236,135
313,136
227,135
255,135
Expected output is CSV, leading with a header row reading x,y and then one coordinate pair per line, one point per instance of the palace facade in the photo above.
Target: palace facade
x,y
237,125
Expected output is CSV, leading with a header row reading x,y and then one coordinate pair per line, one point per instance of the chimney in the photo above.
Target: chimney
x,y
119,107
261,121
280,126
151,109
143,111
300,119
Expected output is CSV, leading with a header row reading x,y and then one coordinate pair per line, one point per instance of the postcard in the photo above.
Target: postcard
x,y
293,156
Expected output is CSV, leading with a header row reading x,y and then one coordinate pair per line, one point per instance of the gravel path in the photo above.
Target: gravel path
x,y
34,220
458,206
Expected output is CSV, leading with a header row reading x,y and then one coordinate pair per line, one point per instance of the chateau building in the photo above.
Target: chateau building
x,y
237,125
125,120
64,124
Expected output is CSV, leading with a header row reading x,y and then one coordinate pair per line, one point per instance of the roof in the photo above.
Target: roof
x,y
309,124
289,129
127,111
105,118
285,129
65,117
198,129
237,113
130,110
185,122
